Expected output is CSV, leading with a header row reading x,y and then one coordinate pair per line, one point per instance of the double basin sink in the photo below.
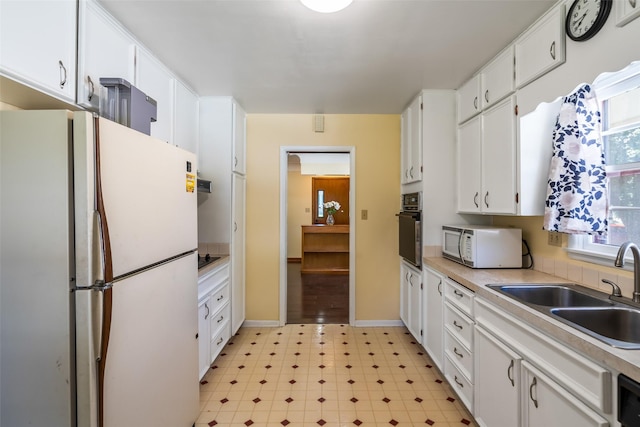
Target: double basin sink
x,y
584,309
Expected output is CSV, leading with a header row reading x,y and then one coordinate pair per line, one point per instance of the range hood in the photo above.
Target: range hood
x,y
204,186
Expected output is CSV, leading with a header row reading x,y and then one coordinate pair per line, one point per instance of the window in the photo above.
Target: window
x,y
619,96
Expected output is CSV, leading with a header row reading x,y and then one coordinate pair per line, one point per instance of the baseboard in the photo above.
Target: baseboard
x,y
261,323
294,260
377,323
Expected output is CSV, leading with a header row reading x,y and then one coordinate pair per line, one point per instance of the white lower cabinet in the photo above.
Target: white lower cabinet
x,y
411,294
549,405
525,378
214,315
497,382
432,317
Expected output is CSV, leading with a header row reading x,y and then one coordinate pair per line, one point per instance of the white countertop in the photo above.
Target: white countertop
x,y
624,361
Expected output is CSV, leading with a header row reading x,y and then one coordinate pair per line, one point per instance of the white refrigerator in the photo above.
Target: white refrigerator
x,y
98,275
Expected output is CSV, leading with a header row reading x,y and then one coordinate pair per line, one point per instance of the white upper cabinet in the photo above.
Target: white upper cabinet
x,y
469,99
156,81
104,50
469,149
38,45
541,48
411,142
239,138
497,79
185,133
626,11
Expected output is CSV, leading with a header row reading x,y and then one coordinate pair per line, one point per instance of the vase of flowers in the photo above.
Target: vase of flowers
x,y
332,207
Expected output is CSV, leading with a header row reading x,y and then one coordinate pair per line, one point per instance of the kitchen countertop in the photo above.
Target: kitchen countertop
x,y
624,361
207,268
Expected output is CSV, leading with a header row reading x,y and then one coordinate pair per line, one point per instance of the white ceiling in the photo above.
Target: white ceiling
x,y
276,56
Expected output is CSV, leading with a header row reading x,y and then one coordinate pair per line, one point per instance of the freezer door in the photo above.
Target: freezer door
x,y
151,362
149,195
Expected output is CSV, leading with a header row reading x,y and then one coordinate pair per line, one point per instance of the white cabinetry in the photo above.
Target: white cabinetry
x,y
185,130
558,386
221,214
156,81
541,48
411,142
469,99
38,45
487,161
214,314
432,318
411,291
549,405
104,50
497,382
458,340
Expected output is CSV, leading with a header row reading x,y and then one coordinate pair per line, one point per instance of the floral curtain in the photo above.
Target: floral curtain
x,y
577,187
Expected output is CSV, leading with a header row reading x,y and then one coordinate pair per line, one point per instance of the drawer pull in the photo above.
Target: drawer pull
x,y
220,298
458,293
455,351
456,325
455,378
510,373
533,384
220,341
220,319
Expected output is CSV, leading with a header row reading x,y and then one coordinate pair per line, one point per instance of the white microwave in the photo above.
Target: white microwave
x,y
481,246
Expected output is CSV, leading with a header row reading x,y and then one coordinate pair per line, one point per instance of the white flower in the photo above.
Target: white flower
x,y
332,207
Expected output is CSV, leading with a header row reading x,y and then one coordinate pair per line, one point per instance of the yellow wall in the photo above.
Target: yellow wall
x,y
377,176
298,200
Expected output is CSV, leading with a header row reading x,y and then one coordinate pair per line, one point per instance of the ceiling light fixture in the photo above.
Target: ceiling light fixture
x,y
326,6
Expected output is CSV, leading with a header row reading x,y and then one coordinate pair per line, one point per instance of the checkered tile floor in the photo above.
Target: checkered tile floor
x,y
326,375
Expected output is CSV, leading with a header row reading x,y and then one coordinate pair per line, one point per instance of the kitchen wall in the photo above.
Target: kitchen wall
x,y
376,139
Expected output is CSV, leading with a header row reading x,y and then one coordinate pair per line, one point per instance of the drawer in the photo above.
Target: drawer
x,y
213,279
219,318
459,325
459,296
459,355
220,297
462,386
219,340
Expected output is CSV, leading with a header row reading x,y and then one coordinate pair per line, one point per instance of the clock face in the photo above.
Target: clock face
x,y
586,18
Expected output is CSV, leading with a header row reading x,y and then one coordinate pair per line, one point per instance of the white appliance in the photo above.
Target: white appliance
x,y
482,246
98,303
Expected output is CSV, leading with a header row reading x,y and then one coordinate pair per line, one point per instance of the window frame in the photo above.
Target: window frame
x,y
581,247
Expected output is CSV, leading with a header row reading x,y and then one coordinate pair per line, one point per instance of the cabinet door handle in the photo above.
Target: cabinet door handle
x,y
475,200
531,387
457,353
475,103
411,172
63,74
552,50
632,3
206,316
486,196
456,325
235,161
235,226
455,378
458,293
486,95
510,373
91,88
440,287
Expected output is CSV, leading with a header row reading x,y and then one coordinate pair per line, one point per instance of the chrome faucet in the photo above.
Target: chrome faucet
x,y
619,262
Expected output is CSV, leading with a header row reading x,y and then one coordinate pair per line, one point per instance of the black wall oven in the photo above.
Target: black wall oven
x,y
410,229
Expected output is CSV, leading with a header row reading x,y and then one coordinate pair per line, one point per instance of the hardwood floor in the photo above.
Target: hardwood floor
x,y
316,298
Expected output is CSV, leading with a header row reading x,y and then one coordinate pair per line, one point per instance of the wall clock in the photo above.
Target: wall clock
x,y
586,18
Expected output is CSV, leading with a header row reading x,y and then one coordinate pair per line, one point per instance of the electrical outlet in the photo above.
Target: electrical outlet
x,y
555,238
364,214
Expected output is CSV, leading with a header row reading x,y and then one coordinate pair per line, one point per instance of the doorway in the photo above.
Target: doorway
x,y
319,294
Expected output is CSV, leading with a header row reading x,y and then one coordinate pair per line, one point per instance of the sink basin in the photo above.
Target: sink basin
x,y
617,326
551,295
